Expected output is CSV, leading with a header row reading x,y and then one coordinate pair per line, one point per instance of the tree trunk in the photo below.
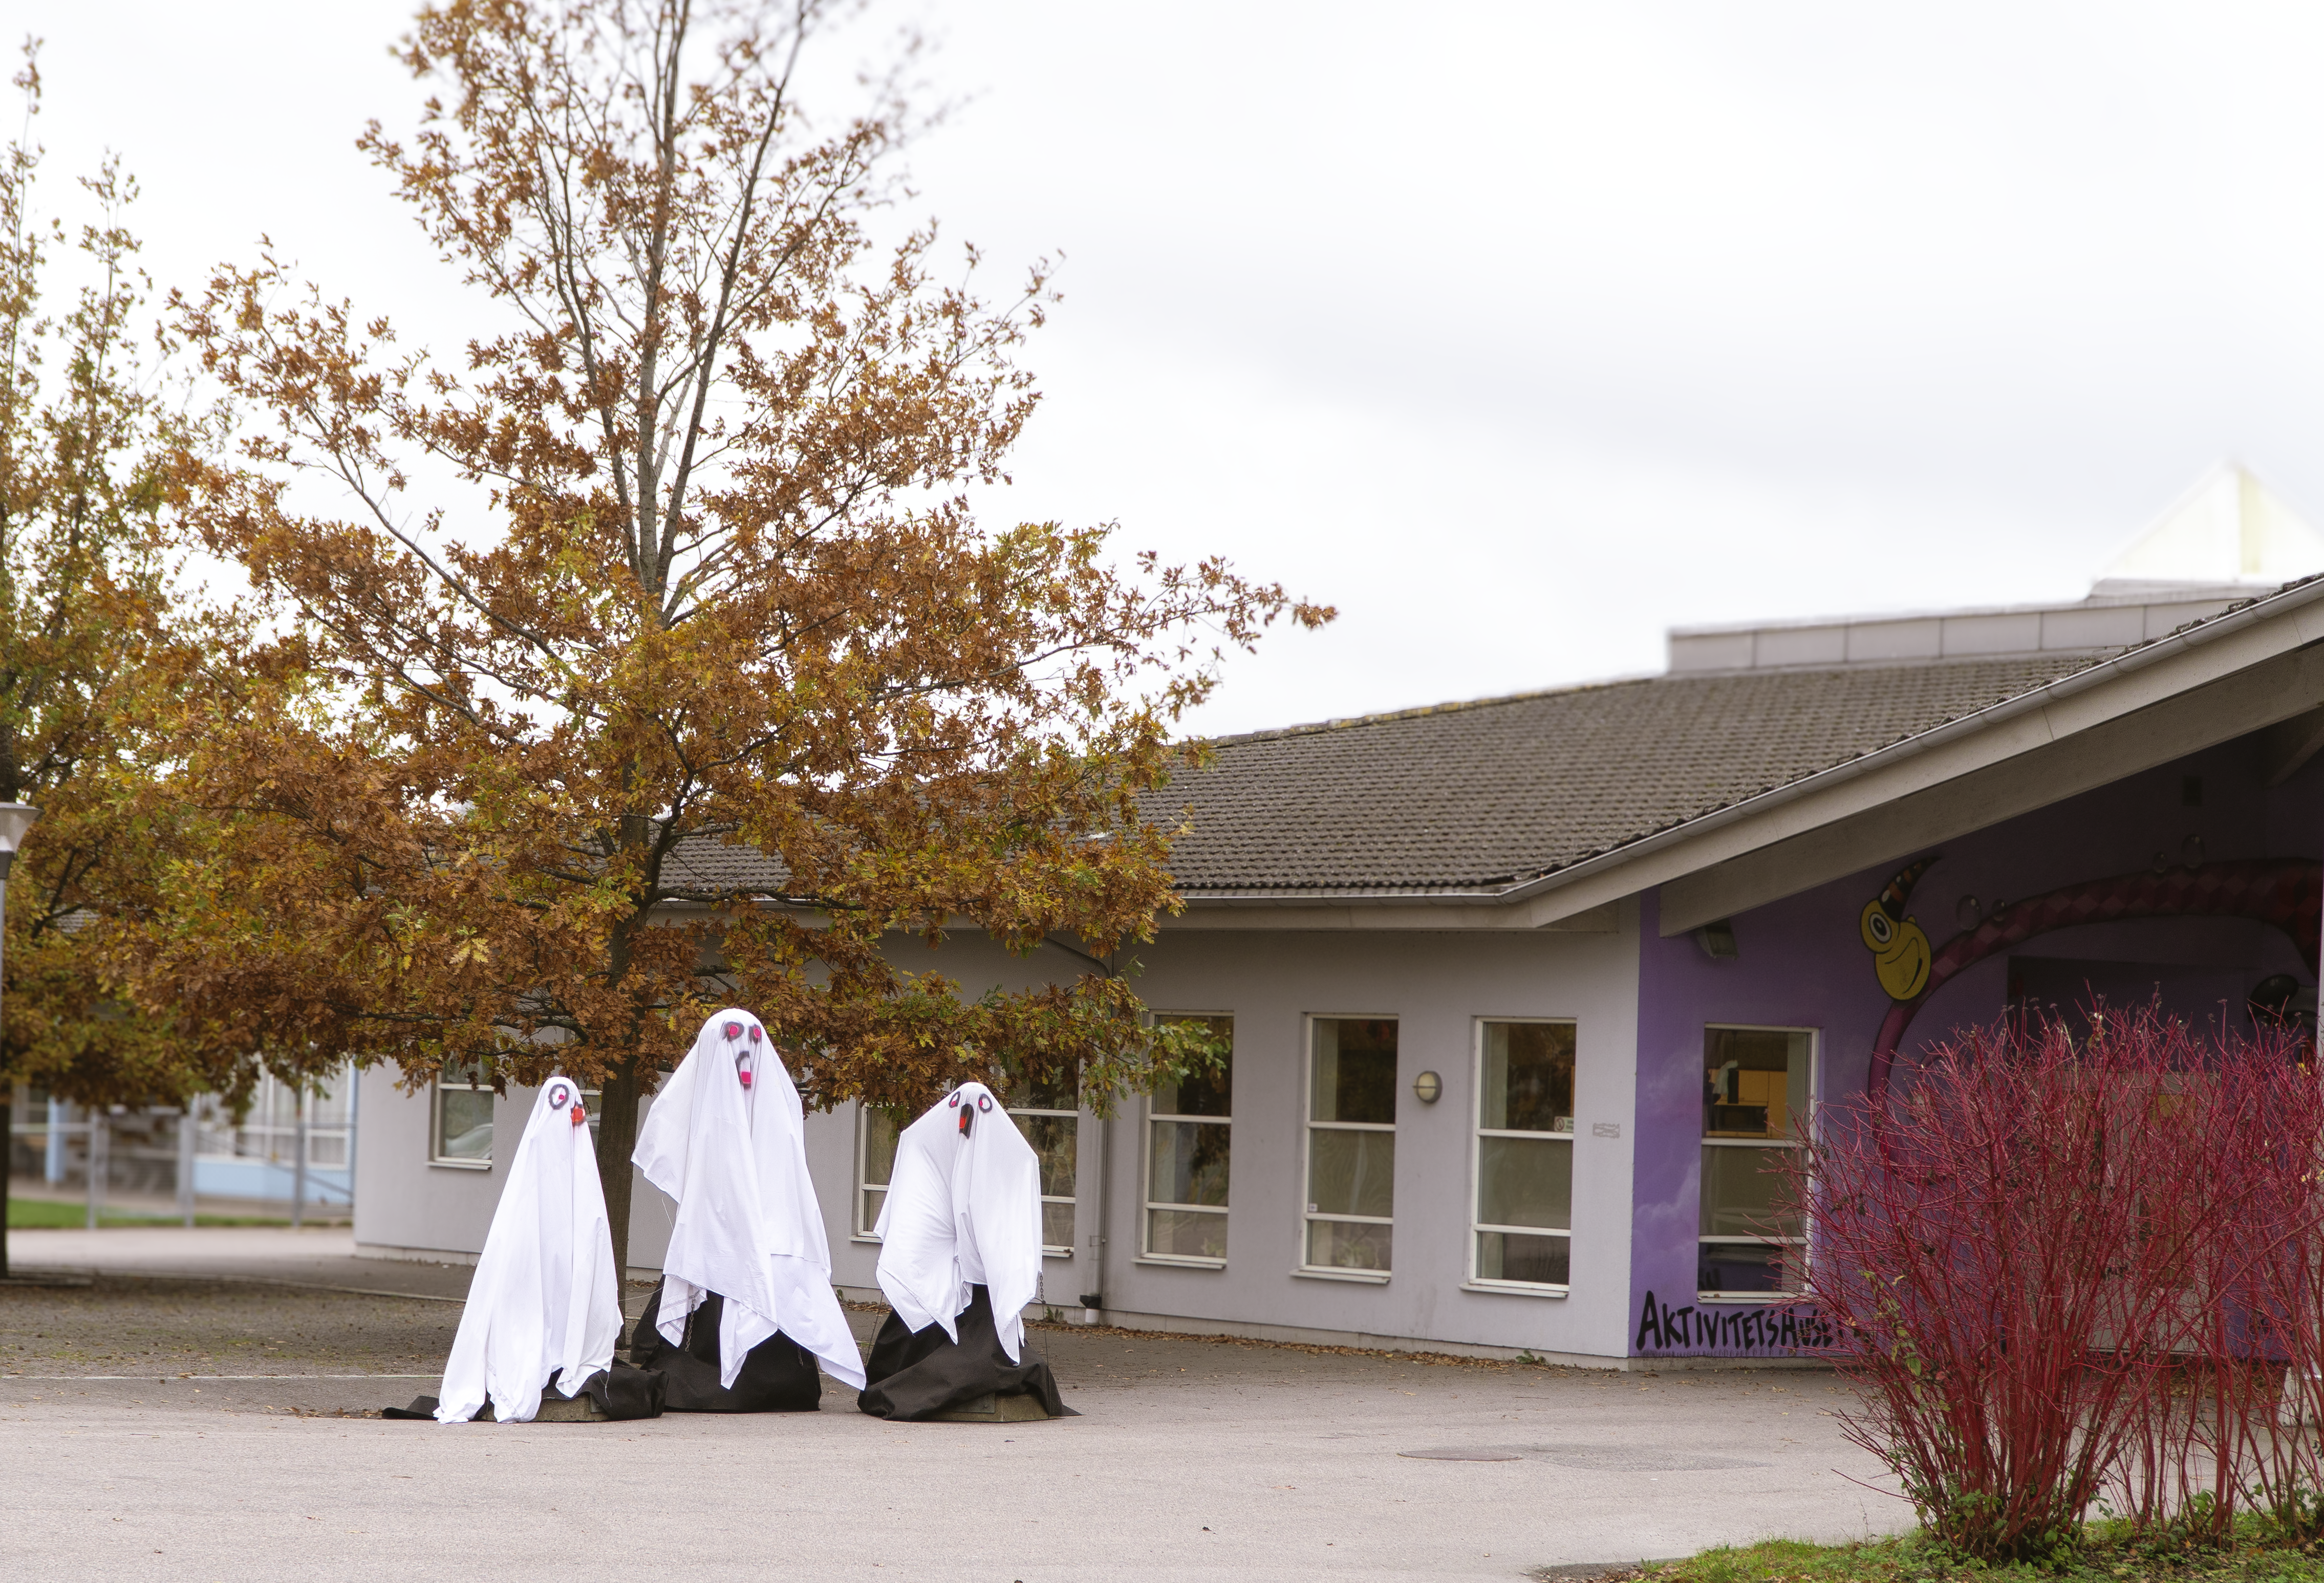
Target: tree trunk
x,y
617,1135
8,1164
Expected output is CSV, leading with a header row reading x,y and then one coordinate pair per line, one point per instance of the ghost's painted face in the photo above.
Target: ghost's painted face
x,y
733,1034
746,1055
966,1111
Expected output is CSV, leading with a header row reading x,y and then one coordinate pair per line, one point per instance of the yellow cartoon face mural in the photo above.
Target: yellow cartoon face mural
x,y
1900,951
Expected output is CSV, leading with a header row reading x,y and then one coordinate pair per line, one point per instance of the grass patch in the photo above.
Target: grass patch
x,y
41,1214
2110,1554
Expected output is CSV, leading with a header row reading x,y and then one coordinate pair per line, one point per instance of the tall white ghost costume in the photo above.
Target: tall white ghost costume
x,y
960,1257
544,1302
726,1139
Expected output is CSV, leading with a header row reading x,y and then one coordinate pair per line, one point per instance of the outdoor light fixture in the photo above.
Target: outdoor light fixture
x,y
15,818
1717,940
1427,1088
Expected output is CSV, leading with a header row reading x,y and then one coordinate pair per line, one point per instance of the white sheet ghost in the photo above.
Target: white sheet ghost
x,y
544,1299
963,1210
726,1138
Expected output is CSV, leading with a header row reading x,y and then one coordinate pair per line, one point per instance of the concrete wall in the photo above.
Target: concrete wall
x,y
1437,985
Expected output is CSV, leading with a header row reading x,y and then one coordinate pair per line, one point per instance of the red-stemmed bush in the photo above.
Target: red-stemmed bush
x,y
2068,1264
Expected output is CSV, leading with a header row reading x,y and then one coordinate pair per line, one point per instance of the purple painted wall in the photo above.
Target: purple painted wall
x,y
1801,963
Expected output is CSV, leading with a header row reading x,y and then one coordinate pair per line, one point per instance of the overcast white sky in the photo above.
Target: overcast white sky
x,y
1519,332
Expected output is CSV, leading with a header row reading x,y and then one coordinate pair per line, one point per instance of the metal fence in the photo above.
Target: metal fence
x,y
290,1148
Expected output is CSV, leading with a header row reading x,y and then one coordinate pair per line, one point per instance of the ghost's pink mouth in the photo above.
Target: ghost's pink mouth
x,y
746,1076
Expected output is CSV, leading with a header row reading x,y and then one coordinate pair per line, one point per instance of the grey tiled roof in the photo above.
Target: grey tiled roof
x,y
1479,796
708,865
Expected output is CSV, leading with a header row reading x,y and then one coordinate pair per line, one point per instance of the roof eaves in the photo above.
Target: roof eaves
x,y
1525,886
2293,596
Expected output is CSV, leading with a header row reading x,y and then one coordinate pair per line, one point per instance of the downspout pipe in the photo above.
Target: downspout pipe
x,y
1093,1300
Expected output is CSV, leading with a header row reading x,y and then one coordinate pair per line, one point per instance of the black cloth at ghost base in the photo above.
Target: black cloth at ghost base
x,y
919,1374
621,1392
779,1376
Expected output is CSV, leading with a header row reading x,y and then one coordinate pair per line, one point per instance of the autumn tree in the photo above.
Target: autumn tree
x,y
672,666
96,640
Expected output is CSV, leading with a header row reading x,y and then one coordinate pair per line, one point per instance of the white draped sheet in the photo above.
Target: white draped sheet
x,y
544,1300
963,1210
749,1226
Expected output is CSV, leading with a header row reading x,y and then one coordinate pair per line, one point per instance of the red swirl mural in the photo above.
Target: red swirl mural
x,y
2286,892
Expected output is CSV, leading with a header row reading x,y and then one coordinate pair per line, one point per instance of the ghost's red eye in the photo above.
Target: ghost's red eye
x,y
733,1030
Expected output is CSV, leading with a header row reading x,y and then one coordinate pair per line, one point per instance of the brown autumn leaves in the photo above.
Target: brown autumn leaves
x,y
646,656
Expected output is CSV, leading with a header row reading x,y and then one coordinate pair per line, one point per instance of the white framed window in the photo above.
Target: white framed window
x,y
1049,1116
1758,1089
1189,1132
875,1162
1522,1230
1350,1220
269,1129
460,1124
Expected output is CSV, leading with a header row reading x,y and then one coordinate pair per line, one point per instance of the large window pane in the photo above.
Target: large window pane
x,y
1046,1111
1528,1077
1342,1244
1757,1084
1350,1141
1755,1081
1052,1138
464,1124
1189,1164
1749,1268
1350,1172
875,1162
1201,1093
1185,1234
1060,1092
1507,1256
1187,1159
1525,1181
1524,1152
1354,1077
880,1130
1739,1192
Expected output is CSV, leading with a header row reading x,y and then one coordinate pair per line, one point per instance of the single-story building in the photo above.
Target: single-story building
x,y
1524,993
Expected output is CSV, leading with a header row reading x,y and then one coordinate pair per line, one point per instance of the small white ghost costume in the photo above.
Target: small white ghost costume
x,y
963,1210
543,1300
733,1155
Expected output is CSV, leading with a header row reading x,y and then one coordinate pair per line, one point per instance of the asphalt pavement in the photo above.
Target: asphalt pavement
x,y
192,1415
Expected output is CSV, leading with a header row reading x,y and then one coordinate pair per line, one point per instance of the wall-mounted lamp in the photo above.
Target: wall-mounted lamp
x,y
1717,940
1427,1088
15,819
